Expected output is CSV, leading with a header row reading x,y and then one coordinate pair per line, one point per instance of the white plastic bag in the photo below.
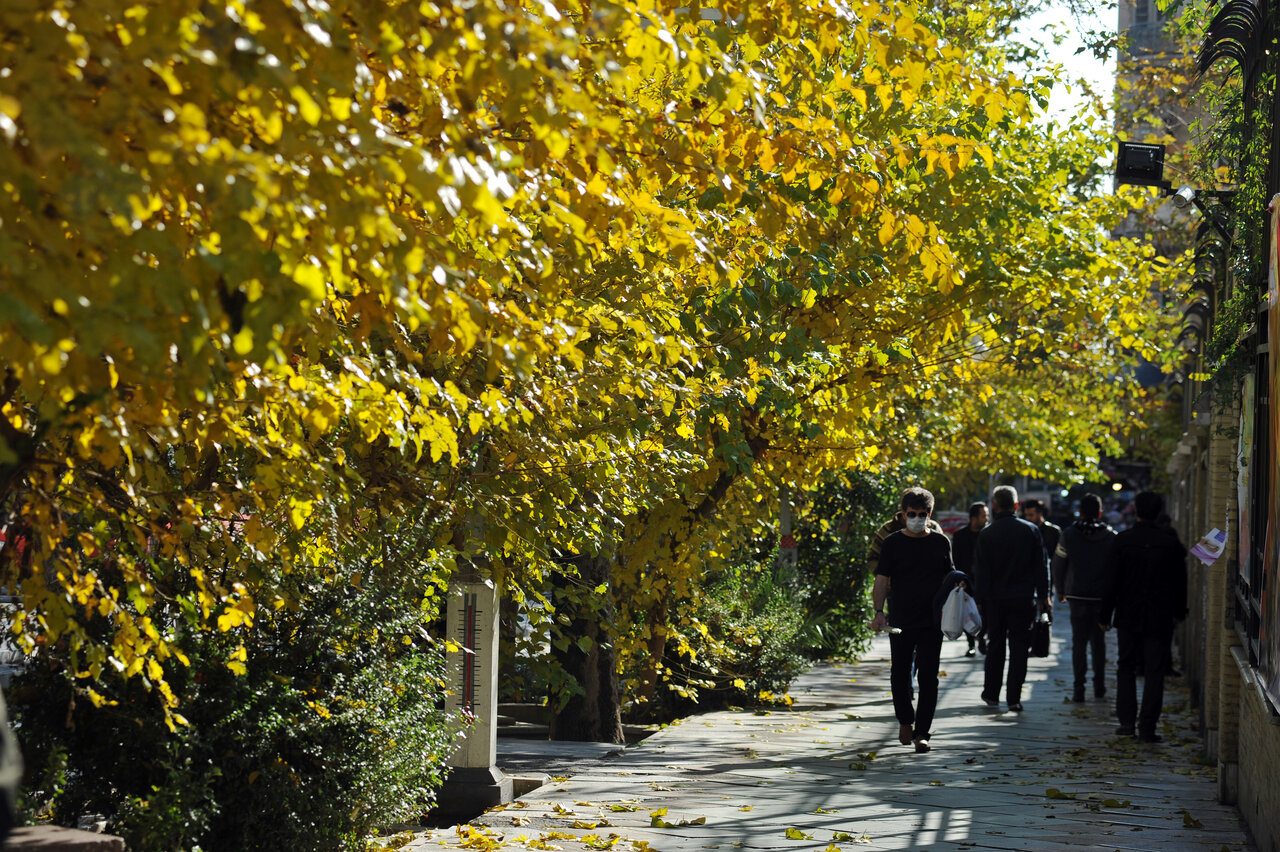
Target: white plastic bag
x,y
953,614
960,614
972,618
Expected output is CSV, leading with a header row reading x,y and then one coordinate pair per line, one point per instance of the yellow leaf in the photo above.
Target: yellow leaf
x,y
307,106
340,108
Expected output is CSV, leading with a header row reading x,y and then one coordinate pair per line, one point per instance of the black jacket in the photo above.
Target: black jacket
x,y
1148,584
1010,563
963,542
1051,534
1080,562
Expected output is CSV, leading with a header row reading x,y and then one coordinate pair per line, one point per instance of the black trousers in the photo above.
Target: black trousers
x,y
1151,649
1087,636
921,646
1008,624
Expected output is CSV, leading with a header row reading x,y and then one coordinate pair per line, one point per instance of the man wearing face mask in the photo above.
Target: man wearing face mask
x,y
887,529
913,564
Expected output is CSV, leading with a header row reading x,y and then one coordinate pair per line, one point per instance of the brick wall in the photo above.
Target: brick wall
x,y
1218,624
1259,780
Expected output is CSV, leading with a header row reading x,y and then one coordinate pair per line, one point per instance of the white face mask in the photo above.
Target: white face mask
x,y
916,525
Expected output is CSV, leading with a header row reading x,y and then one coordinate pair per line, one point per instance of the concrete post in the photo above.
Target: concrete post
x,y
475,783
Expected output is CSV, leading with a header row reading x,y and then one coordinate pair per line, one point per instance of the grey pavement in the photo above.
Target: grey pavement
x,y
828,774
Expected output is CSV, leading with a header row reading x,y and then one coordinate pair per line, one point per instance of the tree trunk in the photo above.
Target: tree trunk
x,y
596,714
656,648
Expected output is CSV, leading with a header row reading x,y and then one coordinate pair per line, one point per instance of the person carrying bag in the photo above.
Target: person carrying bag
x,y
957,610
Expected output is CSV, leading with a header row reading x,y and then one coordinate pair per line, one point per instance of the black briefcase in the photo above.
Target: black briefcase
x,y
1040,636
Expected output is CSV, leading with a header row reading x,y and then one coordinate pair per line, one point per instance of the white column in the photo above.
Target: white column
x,y
475,782
473,668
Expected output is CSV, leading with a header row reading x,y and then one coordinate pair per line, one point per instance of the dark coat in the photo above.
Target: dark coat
x,y
1148,583
1080,562
1051,534
1010,563
963,543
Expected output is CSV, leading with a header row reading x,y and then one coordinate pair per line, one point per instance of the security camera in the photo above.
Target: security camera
x,y
1184,197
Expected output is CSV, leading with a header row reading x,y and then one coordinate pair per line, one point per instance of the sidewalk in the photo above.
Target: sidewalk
x,y
829,774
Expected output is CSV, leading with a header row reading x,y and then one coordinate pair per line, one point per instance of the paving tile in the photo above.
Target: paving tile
x,y
831,770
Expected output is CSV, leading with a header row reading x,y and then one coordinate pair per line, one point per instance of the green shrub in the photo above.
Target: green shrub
x,y
749,653
833,537
335,729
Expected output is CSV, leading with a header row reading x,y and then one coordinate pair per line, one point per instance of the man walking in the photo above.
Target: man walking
x,y
913,563
1080,576
1146,596
1012,574
963,544
888,528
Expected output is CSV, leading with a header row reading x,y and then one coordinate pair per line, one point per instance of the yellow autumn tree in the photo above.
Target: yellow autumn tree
x,y
291,288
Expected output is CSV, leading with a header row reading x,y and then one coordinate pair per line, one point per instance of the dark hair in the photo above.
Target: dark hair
x,y
1033,503
977,509
1090,506
1004,498
916,497
1148,505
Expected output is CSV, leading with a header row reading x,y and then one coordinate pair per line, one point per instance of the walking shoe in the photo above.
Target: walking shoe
x,y
922,746
905,734
1149,737
1015,706
990,702
1099,692
1078,694
1126,731
971,653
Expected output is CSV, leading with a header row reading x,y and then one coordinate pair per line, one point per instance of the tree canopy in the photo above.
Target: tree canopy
x,y
350,290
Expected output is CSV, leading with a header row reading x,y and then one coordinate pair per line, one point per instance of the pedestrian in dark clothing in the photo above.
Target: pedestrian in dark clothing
x,y
1012,575
913,563
964,542
1035,512
1146,597
1080,576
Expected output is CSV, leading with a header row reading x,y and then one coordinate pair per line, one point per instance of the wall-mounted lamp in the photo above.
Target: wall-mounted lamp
x,y
1184,197
1215,215
1141,164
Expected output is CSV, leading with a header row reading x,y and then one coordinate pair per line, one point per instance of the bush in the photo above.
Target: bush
x,y
749,653
833,537
335,729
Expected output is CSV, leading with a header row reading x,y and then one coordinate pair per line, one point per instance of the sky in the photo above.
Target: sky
x,y
1100,74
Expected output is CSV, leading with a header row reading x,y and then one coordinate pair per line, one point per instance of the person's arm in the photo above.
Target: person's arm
x,y
1040,559
1061,565
1180,582
879,594
1112,581
873,552
978,574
